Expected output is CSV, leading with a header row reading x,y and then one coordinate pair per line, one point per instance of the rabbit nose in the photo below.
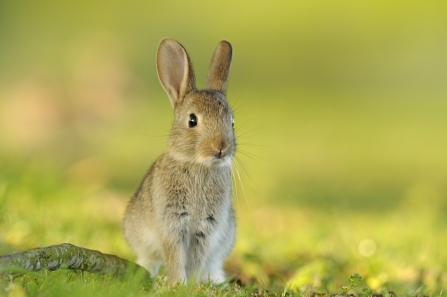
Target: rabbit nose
x,y
221,149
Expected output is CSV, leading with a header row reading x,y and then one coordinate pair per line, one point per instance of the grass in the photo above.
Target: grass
x,y
300,233
69,283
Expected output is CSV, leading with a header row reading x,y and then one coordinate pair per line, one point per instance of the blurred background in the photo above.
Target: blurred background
x,y
340,110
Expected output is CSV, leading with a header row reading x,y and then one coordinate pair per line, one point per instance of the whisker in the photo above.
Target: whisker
x,y
244,167
253,157
242,186
252,130
233,177
249,137
239,126
237,109
237,100
254,145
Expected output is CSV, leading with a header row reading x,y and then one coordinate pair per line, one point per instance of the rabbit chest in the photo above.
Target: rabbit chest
x,y
196,203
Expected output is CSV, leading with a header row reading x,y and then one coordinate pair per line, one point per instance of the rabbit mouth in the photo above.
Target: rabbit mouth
x,y
221,161
221,158
216,161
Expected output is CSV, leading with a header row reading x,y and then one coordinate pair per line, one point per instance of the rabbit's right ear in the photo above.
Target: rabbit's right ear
x,y
174,70
220,67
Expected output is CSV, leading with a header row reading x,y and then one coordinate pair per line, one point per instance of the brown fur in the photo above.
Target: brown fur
x,y
182,214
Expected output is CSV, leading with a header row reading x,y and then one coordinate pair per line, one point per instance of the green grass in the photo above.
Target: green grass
x,y
343,188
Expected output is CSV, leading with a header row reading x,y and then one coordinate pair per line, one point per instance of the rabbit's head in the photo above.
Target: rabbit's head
x,y
203,126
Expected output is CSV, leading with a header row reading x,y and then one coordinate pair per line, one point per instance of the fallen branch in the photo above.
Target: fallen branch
x,y
67,256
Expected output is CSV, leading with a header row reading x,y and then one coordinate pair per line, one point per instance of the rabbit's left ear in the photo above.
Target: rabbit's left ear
x,y
220,68
174,70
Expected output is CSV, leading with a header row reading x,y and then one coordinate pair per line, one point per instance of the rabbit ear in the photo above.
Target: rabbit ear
x,y
174,70
220,67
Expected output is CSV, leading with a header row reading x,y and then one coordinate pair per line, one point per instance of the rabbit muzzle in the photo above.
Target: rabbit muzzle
x,y
221,151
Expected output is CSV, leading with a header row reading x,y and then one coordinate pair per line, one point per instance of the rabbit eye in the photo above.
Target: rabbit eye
x,y
232,122
192,120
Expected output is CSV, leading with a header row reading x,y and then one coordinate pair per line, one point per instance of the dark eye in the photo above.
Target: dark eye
x,y
192,120
232,122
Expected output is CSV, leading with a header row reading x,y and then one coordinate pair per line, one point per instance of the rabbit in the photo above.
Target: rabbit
x,y
182,214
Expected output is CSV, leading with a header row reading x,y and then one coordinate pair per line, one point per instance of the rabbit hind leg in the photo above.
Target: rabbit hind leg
x,y
214,272
151,265
148,253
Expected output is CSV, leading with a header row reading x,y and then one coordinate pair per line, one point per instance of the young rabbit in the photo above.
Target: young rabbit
x,y
182,214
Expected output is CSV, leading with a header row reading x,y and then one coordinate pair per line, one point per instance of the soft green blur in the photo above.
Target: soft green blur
x,y
341,117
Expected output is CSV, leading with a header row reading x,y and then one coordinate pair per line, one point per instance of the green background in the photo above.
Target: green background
x,y
340,111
